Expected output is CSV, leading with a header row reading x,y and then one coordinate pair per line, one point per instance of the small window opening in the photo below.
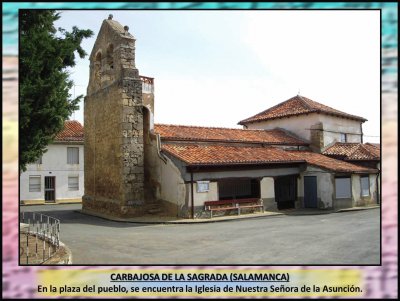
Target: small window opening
x,y
110,56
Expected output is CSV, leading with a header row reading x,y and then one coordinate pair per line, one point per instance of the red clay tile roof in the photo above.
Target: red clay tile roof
x,y
213,134
374,148
73,131
326,162
377,145
353,151
297,105
195,154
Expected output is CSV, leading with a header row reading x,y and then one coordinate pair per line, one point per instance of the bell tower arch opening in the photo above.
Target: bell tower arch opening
x,y
110,57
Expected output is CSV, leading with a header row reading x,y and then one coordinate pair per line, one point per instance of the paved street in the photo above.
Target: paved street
x,y
338,238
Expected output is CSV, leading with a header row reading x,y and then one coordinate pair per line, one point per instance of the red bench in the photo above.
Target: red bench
x,y
233,205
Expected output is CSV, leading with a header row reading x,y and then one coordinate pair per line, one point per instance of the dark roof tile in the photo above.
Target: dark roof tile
x,y
214,134
201,154
297,105
353,151
73,131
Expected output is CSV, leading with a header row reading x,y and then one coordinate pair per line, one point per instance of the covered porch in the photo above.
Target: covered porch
x,y
275,184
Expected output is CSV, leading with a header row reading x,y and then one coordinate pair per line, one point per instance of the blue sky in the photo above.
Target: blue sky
x,y
215,68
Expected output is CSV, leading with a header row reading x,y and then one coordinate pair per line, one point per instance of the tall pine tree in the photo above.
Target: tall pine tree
x,y
45,102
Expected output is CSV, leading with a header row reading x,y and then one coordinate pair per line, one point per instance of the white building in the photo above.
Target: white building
x,y
319,124
57,177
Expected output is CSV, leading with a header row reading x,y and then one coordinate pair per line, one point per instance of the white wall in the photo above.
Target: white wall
x,y
172,187
333,126
325,186
355,188
266,185
358,200
54,163
301,124
373,188
268,193
201,197
267,188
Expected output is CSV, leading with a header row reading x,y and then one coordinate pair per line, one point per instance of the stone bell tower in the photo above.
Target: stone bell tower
x,y
114,150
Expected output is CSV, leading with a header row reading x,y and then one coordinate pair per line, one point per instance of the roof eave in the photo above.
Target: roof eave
x,y
172,139
68,142
349,171
352,159
191,165
246,121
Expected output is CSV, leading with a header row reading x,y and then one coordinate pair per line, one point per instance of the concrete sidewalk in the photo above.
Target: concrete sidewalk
x,y
312,211
359,208
150,219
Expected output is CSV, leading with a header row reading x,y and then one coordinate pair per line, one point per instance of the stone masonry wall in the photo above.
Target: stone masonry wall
x,y
317,137
114,154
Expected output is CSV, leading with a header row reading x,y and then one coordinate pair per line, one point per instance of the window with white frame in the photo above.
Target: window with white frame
x,y
343,188
34,184
72,155
364,185
343,137
203,186
73,183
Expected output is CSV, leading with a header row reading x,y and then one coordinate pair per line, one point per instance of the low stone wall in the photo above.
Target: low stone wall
x,y
270,204
169,209
111,208
114,209
62,256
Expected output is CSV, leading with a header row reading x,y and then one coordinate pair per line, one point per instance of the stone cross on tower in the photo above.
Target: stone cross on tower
x,y
114,151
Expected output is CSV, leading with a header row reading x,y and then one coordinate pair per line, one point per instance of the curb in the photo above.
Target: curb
x,y
308,213
357,209
68,250
321,212
177,222
216,219
50,204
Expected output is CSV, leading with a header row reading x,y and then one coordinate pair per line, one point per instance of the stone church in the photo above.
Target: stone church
x,y
135,168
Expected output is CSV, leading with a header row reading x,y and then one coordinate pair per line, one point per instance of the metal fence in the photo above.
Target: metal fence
x,y
39,237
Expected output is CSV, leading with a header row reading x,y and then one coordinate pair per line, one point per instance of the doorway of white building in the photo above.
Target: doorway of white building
x,y
50,189
310,192
285,191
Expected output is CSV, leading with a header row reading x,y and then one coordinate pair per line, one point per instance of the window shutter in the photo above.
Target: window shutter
x,y
73,183
34,184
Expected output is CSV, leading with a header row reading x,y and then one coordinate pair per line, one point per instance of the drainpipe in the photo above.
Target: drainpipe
x,y
377,189
362,134
192,193
158,144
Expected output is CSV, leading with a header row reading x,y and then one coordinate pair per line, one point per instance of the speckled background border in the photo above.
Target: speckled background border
x,y
380,281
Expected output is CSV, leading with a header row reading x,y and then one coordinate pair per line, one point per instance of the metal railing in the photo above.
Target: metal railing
x,y
39,237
